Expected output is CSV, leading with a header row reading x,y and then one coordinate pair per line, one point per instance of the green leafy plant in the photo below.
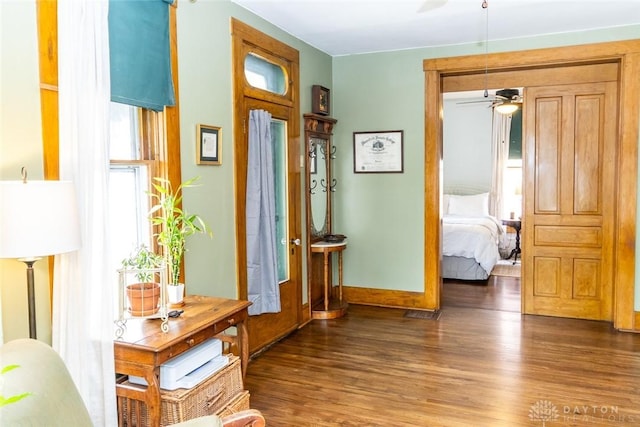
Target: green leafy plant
x,y
142,258
175,224
11,399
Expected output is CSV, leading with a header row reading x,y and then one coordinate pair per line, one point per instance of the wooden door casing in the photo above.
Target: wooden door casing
x,y
570,175
267,328
514,69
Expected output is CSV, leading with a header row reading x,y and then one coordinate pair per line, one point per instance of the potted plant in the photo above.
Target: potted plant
x,y
175,226
144,295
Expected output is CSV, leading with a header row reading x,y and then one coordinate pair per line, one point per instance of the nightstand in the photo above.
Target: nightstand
x,y
516,224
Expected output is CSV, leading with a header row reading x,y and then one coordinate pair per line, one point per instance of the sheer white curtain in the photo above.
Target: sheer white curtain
x,y
83,284
500,154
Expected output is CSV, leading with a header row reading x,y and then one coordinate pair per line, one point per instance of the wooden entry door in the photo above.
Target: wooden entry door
x,y
568,240
266,328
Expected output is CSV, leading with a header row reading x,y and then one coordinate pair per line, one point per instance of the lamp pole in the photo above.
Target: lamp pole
x,y
31,296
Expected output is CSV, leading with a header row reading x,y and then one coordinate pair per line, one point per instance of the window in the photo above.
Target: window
x,y
133,163
141,140
513,173
264,75
515,137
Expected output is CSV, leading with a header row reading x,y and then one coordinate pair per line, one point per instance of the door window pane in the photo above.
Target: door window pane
x,y
279,140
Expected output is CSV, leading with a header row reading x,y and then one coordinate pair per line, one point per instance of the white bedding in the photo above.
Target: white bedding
x,y
472,237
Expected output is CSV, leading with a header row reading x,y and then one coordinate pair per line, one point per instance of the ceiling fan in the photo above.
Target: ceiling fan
x,y
505,101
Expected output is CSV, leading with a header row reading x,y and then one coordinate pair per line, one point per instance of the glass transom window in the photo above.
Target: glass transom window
x,y
264,75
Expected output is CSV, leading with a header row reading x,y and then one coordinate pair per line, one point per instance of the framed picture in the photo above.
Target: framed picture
x,y
320,100
208,145
378,152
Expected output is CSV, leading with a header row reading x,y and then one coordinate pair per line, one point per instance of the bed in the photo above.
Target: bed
x,y
471,238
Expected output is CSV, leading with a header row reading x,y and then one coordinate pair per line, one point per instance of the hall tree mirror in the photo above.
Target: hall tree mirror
x,y
320,185
320,198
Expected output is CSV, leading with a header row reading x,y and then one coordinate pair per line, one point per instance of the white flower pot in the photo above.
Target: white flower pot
x,y
176,294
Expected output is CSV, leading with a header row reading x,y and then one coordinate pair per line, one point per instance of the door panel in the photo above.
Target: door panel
x,y
266,328
570,149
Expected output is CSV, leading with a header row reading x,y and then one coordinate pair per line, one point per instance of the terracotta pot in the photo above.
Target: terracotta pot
x,y
143,298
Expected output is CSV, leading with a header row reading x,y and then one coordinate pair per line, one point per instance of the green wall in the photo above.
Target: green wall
x,y
383,214
204,55
206,97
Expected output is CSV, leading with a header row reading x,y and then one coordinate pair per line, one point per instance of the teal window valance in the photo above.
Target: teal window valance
x,y
140,53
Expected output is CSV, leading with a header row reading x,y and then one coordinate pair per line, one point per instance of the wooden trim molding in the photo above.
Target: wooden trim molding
x,y
433,188
624,53
625,268
384,297
47,24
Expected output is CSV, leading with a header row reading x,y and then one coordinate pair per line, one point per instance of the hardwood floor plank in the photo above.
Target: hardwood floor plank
x,y
477,365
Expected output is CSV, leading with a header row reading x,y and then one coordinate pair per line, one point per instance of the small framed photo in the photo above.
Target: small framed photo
x,y
378,152
208,145
320,100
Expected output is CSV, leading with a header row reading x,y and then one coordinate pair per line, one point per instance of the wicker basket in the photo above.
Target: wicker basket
x,y
219,394
237,404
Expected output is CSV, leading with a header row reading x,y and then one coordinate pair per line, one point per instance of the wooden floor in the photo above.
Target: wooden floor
x,y
481,363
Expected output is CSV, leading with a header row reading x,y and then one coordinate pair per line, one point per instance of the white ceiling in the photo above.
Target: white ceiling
x,y
346,27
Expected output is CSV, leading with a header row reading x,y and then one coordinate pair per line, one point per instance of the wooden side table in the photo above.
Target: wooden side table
x,y
144,347
336,308
516,224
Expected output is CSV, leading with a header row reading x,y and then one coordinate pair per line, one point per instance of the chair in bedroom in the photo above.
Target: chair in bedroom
x,y
53,398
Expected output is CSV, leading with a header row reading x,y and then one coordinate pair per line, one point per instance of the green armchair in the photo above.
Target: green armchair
x,y
53,398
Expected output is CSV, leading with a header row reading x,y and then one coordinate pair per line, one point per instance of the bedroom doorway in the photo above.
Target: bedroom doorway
x,y
531,68
497,293
481,268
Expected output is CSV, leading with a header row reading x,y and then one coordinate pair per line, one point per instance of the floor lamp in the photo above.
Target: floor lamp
x,y
37,219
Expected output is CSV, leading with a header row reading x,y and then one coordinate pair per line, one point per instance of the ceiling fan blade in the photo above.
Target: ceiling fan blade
x,y
480,101
431,5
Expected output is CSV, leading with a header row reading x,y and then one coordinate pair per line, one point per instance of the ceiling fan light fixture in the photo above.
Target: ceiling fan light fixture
x,y
506,108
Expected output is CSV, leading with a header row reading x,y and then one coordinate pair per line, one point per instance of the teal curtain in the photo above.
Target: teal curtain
x,y
140,53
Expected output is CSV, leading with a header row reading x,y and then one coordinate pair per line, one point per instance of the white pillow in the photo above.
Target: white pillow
x,y
475,205
445,204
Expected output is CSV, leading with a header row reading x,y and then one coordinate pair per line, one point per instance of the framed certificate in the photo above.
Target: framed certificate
x,y
208,145
378,152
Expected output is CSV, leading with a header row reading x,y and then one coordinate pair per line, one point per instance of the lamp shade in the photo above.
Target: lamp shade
x,y
506,108
38,218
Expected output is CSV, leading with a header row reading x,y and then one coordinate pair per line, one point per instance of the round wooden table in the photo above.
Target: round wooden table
x,y
331,309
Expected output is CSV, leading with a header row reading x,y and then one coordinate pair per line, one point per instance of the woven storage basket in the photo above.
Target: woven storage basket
x,y
237,404
211,397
